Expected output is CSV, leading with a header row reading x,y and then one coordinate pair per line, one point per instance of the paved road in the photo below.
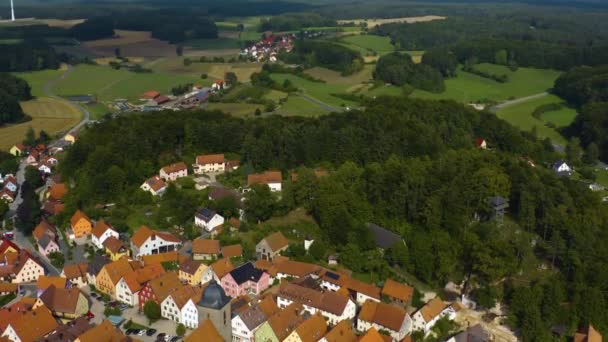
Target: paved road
x,y
320,104
505,104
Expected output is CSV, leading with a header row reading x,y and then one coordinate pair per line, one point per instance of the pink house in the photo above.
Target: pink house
x,y
47,245
246,279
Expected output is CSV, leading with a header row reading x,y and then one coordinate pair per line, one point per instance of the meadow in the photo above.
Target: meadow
x,y
175,65
52,115
38,79
298,106
520,115
317,90
365,43
246,110
371,23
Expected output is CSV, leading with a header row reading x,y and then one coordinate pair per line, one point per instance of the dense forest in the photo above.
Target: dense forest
x,y
94,28
325,54
27,56
12,90
294,21
399,69
409,165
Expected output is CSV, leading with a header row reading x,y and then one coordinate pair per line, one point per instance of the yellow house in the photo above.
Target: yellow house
x,y
18,150
70,137
64,303
81,224
115,249
111,274
194,272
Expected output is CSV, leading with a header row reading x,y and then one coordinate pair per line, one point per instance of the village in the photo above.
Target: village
x,y
156,286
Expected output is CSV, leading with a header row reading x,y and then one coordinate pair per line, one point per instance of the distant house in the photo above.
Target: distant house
x,y
115,248
274,180
47,245
110,274
81,225
70,137
209,163
151,94
32,158
245,280
25,268
194,272
10,183
271,246
101,232
398,293
425,318
45,168
146,241
384,317
481,143
18,150
247,321
154,185
218,85
208,219
384,238
174,171
561,168
203,249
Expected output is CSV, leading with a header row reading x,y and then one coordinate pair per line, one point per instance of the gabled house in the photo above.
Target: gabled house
x,y
220,268
209,163
47,245
173,172
158,289
481,143
271,246
128,287
70,137
397,293
101,232
154,185
44,282
274,180
245,280
81,225
45,168
57,192
280,325
76,274
384,317
194,272
21,267
363,291
95,266
32,158
208,219
247,321
115,248
477,333
180,306
18,150
561,168
107,330
10,183
146,241
31,326
45,228
425,318
232,251
204,249
64,303
311,329
206,331
110,274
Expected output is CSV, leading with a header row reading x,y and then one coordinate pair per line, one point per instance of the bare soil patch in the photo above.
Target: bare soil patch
x,y
131,43
377,22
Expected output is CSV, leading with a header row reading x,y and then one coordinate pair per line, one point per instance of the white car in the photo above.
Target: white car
x,y
141,332
168,338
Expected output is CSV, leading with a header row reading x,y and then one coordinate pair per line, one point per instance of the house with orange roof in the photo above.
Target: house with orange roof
x,y
385,317
180,306
154,185
44,282
372,335
311,330
44,228
245,322
232,251
63,303
101,232
206,331
280,325
341,332
271,246
8,288
274,180
128,287
31,326
174,171
146,241
23,268
115,248
110,274
158,289
209,163
76,274
104,332
151,94
57,191
220,268
205,249
425,318
194,272
14,311
397,293
588,334
81,225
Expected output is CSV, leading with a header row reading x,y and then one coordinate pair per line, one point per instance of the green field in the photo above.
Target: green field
x,y
296,105
37,79
467,87
214,44
109,84
236,109
176,65
97,110
320,91
520,115
367,43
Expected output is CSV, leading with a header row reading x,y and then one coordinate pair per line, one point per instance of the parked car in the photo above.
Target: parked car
x,y
175,339
151,332
141,332
129,331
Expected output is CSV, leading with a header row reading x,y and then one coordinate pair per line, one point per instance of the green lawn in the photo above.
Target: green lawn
x,y
214,44
520,115
296,105
97,110
37,79
110,84
236,109
320,91
366,43
467,87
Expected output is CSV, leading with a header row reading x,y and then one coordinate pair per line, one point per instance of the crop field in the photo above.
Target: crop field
x,y
53,116
236,109
369,43
331,76
520,115
131,43
319,91
371,23
467,87
176,65
109,84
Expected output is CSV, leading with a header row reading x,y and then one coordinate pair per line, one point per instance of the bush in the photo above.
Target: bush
x,y
180,330
152,310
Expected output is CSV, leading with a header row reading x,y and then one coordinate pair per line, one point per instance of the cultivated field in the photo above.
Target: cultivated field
x,y
176,65
236,109
131,43
319,91
331,76
377,22
368,43
53,116
296,105
520,115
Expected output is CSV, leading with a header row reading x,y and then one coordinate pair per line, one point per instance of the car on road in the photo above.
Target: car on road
x,y
175,339
150,332
129,331
141,332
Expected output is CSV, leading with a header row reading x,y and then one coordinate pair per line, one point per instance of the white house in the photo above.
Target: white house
x,y
10,183
425,318
209,163
384,317
180,306
245,323
274,180
127,292
331,305
561,168
146,241
27,269
154,185
174,171
101,232
208,219
46,168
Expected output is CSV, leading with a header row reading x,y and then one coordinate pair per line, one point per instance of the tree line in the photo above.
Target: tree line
x,y
324,54
399,69
12,90
294,21
28,56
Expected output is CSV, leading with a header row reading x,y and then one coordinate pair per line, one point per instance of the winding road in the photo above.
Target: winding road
x,y
509,103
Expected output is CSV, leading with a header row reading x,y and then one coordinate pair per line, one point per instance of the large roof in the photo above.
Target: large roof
x,y
328,301
214,296
276,241
144,232
114,245
210,159
312,329
246,272
221,267
253,317
432,309
43,228
205,246
206,331
34,324
286,320
100,227
44,282
342,332
105,332
190,265
267,177
397,290
118,269
75,271
79,215
165,285
58,191
232,251
156,183
386,315
61,300
176,167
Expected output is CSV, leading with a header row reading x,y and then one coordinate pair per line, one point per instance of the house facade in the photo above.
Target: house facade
x,y
208,219
27,269
271,246
146,241
172,172
209,163
194,272
158,289
101,232
245,280
47,245
154,185
384,317
273,179
425,318
80,224
180,306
